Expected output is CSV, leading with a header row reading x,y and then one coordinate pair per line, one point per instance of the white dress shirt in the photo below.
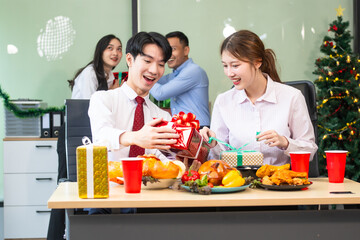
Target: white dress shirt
x,y
112,113
237,121
86,83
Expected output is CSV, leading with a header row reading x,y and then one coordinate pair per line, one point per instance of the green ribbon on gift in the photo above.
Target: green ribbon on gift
x,y
237,150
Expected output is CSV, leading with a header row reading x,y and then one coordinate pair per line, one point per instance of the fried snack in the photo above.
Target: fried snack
x,y
215,170
266,180
287,177
282,176
268,170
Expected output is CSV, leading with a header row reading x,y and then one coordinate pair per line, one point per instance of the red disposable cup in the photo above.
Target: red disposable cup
x,y
132,169
300,161
336,161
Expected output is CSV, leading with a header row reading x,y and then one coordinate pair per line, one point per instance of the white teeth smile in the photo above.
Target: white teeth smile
x,y
150,78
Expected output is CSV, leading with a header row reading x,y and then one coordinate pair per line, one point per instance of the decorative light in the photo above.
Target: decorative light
x,y
348,59
347,92
320,78
325,100
352,132
337,63
356,100
340,137
331,93
324,137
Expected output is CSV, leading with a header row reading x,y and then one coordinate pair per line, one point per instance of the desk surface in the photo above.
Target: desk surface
x,y
66,196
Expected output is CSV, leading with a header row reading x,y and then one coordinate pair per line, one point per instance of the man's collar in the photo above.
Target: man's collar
x,y
182,66
131,94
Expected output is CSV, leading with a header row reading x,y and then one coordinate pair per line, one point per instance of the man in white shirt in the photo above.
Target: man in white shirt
x,y
112,112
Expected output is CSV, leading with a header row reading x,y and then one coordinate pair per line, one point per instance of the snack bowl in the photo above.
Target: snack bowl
x,y
248,171
162,183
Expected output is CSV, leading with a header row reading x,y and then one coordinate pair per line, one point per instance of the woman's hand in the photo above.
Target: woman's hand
x,y
150,137
273,139
116,84
206,133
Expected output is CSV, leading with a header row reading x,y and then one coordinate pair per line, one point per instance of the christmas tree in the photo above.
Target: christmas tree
x,y
338,95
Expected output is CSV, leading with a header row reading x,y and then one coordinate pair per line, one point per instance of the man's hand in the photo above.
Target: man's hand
x,y
273,139
206,133
150,137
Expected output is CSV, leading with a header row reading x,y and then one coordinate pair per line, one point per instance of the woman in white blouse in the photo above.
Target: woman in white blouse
x,y
259,113
97,74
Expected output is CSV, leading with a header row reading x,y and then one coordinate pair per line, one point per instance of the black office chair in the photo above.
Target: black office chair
x,y
77,125
308,90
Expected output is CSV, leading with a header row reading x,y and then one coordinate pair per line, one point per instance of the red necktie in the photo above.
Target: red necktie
x,y
138,124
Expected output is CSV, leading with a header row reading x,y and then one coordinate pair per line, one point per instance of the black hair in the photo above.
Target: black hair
x,y
98,62
180,35
136,44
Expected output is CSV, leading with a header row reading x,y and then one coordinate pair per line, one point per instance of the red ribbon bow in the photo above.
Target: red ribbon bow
x,y
186,119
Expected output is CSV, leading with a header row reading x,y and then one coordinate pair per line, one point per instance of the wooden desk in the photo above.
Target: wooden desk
x,y
247,223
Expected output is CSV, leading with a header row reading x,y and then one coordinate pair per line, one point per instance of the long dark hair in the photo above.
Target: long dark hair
x,y
248,47
98,63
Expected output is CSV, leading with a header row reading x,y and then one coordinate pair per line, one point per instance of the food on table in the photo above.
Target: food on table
x,y
268,170
233,179
281,175
214,174
215,171
152,167
190,175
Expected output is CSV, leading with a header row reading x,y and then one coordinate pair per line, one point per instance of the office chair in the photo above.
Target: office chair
x,y
77,125
307,88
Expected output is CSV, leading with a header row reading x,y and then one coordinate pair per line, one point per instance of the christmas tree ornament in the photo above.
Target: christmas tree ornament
x,y
339,11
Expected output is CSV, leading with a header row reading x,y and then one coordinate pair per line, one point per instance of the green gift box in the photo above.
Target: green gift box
x,y
242,158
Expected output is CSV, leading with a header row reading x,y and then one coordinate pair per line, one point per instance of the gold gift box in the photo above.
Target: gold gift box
x,y
242,158
97,186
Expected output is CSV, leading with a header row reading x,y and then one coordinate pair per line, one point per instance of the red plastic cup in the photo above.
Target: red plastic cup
x,y
300,161
132,169
336,161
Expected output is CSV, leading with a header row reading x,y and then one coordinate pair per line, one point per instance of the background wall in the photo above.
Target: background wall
x,y
294,29
80,24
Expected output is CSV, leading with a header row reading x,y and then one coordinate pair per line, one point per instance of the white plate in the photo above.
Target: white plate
x,y
163,183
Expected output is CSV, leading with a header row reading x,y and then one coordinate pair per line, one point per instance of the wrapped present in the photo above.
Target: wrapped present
x,y
190,144
242,158
92,170
237,157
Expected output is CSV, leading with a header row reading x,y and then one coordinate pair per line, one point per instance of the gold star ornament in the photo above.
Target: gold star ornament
x,y
339,11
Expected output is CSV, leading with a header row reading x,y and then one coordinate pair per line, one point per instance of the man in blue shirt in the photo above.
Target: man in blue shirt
x,y
188,85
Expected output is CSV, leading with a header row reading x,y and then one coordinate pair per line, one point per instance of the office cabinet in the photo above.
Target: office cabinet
x,y
30,177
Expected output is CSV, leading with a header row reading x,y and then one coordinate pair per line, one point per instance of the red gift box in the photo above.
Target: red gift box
x,y
190,144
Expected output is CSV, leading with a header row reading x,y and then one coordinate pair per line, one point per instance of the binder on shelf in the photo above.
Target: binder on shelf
x,y
57,119
46,125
